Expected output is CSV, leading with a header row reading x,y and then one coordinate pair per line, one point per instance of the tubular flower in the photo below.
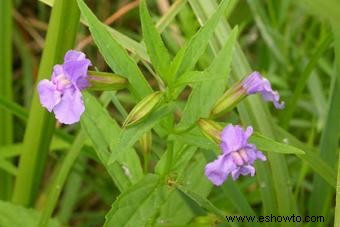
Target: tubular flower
x,y
255,83
62,94
252,84
237,158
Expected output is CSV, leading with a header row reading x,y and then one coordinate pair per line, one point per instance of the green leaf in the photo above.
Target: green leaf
x,y
101,129
181,155
15,215
129,136
114,54
321,198
311,157
201,201
193,77
196,138
8,166
156,49
204,95
264,143
187,57
178,210
14,108
138,204
6,89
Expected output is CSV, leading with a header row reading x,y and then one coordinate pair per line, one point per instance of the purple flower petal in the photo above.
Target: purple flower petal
x,y
73,55
233,138
48,94
218,170
255,83
243,170
70,108
76,72
260,155
60,78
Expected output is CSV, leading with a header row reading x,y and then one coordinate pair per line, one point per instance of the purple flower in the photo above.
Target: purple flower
x,y
62,94
237,158
255,83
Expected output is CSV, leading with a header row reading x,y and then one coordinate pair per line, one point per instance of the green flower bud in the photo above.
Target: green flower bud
x,y
210,129
101,81
229,100
143,108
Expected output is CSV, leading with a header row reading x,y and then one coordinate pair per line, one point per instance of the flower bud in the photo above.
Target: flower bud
x,y
210,129
143,108
101,81
229,100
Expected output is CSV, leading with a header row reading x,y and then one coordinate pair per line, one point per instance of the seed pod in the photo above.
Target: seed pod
x,y
143,108
101,81
210,129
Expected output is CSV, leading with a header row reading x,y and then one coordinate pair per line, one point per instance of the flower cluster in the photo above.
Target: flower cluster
x,y
238,156
62,94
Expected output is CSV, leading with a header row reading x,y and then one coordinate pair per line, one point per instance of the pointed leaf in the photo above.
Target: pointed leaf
x,y
114,54
264,143
101,129
188,56
205,94
138,204
156,49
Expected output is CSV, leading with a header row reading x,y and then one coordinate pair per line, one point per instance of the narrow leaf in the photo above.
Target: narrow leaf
x,y
201,201
187,57
204,95
101,129
264,143
156,49
114,54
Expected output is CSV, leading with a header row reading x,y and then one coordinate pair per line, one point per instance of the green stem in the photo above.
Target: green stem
x,y
60,179
6,128
61,34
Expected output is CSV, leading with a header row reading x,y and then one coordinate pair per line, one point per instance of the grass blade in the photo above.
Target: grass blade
x,y
6,129
321,197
